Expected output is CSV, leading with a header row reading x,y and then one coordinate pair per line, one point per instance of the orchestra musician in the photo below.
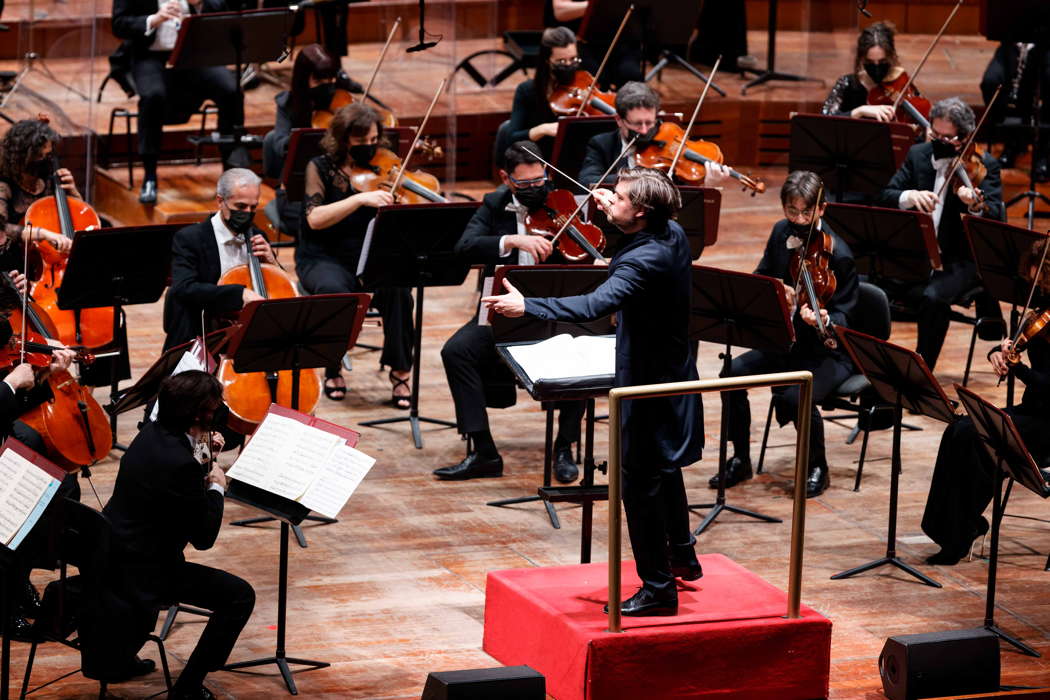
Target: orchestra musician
x,y
150,27
637,106
1020,67
803,201
963,475
164,499
477,377
915,186
332,232
201,253
876,62
625,61
648,290
531,118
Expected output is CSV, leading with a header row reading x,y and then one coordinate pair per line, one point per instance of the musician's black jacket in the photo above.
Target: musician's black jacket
x,y
129,21
602,150
492,220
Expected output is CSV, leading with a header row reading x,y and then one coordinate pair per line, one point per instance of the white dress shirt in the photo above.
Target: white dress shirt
x,y
907,198
232,251
520,212
166,33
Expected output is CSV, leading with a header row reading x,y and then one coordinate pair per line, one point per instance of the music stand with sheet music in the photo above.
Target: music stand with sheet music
x,y
736,309
413,245
570,144
556,281
849,155
901,379
117,267
1005,447
698,217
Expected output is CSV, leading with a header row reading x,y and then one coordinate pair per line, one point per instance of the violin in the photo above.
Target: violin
x,y
815,281
385,168
904,97
660,152
1033,325
36,352
341,97
567,99
559,212
967,168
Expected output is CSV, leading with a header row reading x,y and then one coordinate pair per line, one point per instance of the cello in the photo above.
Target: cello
x,y
250,394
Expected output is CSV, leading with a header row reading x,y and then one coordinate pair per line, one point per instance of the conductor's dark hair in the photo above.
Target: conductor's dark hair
x,y
185,399
805,185
635,95
653,191
520,153
354,119
879,34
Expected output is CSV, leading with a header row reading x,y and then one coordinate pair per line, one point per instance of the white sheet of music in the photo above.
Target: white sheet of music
x,y
340,476
564,356
25,490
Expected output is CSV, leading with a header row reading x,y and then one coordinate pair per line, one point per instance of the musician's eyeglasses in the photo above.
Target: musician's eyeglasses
x,y
641,126
943,138
794,213
534,182
567,62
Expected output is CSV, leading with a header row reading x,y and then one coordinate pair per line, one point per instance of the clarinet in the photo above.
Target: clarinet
x,y
1015,86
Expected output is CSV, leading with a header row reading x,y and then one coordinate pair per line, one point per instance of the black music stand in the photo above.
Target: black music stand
x,y
413,245
117,267
742,310
698,217
295,334
849,155
8,564
1005,447
887,244
901,379
570,144
555,281
771,72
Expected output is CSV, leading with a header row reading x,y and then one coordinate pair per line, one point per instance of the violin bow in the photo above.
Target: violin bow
x,y
957,161
415,141
692,120
926,56
379,61
605,59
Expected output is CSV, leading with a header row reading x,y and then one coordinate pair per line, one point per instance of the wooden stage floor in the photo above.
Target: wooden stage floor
x,y
396,588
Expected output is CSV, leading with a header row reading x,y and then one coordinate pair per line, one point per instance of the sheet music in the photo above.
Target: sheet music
x,y
365,247
564,357
339,477
25,490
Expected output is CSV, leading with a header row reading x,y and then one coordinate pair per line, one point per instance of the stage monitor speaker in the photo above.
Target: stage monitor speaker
x,y
935,664
505,682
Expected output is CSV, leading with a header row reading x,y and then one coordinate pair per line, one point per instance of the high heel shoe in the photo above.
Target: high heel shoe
x,y
396,400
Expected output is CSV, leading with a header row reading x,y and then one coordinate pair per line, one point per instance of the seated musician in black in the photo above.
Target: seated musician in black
x,y
164,498
917,185
802,202
876,62
963,475
332,233
477,377
625,60
637,108
202,253
531,118
1020,68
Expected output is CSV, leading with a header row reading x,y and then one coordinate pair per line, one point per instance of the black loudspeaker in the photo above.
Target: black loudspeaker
x,y
505,683
929,665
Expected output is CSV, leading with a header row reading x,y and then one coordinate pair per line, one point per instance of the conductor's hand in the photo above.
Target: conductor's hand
x,y
882,113
262,250
605,198
250,295
375,199
924,200
537,246
511,304
21,377
811,318
21,284
216,476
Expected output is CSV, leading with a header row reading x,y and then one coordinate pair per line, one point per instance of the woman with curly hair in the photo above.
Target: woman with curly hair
x,y
332,233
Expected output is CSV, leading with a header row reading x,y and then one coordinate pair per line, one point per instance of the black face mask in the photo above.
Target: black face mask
x,y
563,74
363,154
800,230
644,140
239,221
531,197
39,168
943,150
321,95
877,71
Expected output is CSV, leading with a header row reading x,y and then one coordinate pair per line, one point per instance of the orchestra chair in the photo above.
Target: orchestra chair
x,y
983,327
83,540
853,395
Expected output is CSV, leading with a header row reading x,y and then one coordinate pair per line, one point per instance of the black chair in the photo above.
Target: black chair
x,y
979,324
203,108
83,540
854,395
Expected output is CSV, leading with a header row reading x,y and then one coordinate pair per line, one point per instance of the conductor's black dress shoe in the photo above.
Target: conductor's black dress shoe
x,y
684,564
565,469
737,469
646,603
473,467
818,481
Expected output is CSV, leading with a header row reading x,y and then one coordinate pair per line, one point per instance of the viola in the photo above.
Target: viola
x,y
35,351
566,99
696,155
559,208
416,186
815,281
340,98
1034,324
911,104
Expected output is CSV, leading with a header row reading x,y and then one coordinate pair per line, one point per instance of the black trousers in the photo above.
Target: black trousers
x,y
478,378
657,511
944,288
829,371
963,477
323,276
164,92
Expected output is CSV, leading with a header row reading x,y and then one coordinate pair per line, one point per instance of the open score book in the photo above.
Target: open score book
x,y
28,482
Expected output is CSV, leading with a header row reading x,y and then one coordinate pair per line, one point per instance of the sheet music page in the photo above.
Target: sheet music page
x,y
564,357
365,247
284,456
339,477
22,498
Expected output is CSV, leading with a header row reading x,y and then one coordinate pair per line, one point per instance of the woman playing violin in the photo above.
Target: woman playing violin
x,y
332,232
876,63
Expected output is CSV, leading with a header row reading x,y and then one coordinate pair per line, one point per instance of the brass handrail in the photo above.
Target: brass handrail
x,y
798,521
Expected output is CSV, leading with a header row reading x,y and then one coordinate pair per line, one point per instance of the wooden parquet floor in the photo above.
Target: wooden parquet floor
x,y
395,589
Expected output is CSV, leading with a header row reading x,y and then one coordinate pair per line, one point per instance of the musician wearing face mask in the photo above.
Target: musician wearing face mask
x,y
332,233
477,378
876,63
637,107
802,202
202,253
918,185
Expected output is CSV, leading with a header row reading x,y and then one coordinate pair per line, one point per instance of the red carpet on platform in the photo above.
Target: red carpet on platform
x,y
729,640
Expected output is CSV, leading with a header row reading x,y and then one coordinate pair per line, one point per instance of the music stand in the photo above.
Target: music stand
x,y
771,72
1003,445
570,144
887,244
413,245
849,155
698,217
901,379
117,267
741,310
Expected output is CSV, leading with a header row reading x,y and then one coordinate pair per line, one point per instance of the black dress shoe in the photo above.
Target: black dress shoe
x,y
473,467
951,555
565,469
148,193
29,605
817,482
684,564
737,469
137,667
21,629
645,603
198,693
